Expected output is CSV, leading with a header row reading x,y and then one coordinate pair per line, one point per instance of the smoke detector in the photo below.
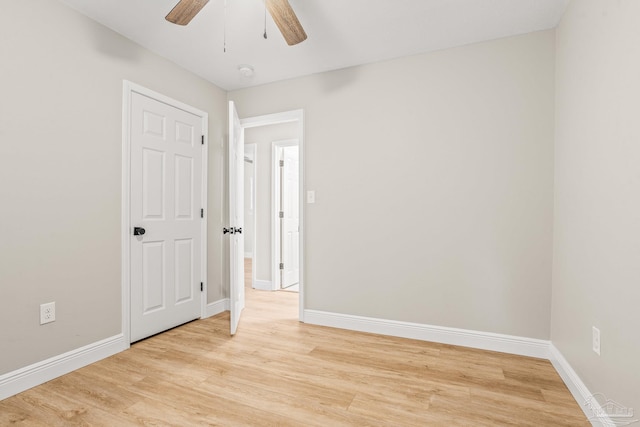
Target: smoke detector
x,y
245,70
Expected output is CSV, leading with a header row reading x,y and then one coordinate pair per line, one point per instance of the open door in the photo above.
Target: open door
x,y
236,217
289,218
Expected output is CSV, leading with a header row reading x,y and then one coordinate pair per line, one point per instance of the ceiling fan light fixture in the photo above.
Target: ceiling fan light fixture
x,y
245,70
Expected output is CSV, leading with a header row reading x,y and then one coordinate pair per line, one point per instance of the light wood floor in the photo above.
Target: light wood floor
x,y
279,372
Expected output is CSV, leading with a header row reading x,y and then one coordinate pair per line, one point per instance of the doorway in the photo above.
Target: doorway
x,y
272,280
250,206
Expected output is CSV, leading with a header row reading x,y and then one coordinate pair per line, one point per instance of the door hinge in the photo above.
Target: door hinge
x,y
201,213
202,139
281,266
201,286
281,163
281,214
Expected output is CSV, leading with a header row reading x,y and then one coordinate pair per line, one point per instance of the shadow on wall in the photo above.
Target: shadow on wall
x,y
331,81
334,81
118,48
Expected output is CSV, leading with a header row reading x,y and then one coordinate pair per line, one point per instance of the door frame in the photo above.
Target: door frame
x,y
254,200
274,119
276,235
128,88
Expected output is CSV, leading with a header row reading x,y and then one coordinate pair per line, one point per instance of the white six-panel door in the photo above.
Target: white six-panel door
x,y
166,180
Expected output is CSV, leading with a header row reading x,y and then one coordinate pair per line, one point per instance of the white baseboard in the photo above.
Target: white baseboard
x,y
30,376
217,307
578,389
263,285
462,337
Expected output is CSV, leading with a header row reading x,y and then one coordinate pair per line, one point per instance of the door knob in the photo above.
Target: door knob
x,y
138,231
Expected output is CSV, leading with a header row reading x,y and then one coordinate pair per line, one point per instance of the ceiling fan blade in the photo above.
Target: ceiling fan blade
x,y
287,21
185,10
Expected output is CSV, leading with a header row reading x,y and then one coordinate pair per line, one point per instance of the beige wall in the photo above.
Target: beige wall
x,y
263,136
434,185
60,174
596,272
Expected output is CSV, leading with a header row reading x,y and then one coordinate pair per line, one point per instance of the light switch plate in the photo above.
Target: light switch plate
x,y
311,196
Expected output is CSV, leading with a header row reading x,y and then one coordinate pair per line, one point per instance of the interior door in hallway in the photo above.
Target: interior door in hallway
x,y
166,182
290,217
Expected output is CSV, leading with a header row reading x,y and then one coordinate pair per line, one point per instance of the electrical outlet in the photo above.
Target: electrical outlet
x,y
47,312
596,340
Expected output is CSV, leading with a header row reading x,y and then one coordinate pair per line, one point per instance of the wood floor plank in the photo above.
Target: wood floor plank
x,y
279,372
15,414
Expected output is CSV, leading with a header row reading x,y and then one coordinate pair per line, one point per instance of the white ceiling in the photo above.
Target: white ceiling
x,y
342,33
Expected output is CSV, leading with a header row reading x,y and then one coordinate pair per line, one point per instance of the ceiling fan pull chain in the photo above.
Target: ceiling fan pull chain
x,y
224,41
265,19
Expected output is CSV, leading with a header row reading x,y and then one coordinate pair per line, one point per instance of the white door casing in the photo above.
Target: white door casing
x,y
236,217
167,174
250,198
289,224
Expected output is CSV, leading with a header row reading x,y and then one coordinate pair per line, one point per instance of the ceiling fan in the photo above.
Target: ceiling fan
x,y
280,10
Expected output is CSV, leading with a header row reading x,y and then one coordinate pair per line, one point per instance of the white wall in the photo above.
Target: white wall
x,y
60,174
263,136
434,185
596,272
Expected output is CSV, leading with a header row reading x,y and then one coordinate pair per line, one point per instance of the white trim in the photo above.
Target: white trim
x,y
125,221
263,285
272,119
204,204
577,388
217,307
467,338
248,254
253,149
275,208
127,89
30,376
288,117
